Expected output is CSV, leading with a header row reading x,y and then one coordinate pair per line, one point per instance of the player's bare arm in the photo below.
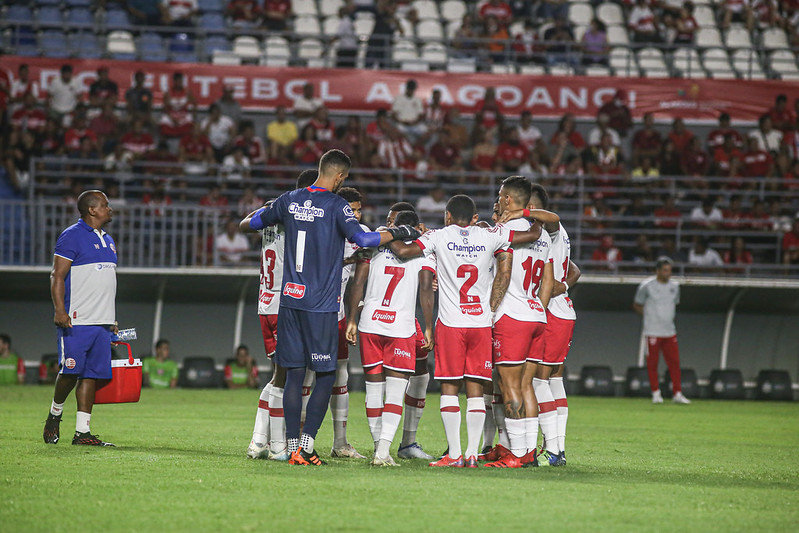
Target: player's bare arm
x,y
547,282
427,301
59,273
501,279
572,276
541,215
406,250
638,308
533,234
354,297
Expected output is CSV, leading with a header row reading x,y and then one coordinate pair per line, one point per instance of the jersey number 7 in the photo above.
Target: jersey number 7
x,y
396,274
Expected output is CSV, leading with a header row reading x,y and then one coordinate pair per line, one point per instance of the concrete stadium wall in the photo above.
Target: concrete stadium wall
x,y
200,307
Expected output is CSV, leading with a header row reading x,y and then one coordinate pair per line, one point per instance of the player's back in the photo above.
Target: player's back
x,y
273,239
465,267
521,300
561,306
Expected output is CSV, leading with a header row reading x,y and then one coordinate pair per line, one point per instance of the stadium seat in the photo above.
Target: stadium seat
x,y
404,51
330,25
532,70
214,23
652,64
738,37
596,381
461,65
784,63
686,60
717,64
747,63
597,70
329,8
80,16
85,45
726,384
430,30
302,8
580,14
579,31
407,30
214,43
54,44
207,6
310,49
307,26
610,13
704,17
774,38
774,385
181,43
503,68
623,62
636,383
18,13
277,51
453,10
617,35
198,373
434,53
452,28
708,37
117,18
426,9
223,57
77,3
246,47
49,16
561,70
364,26
120,45
688,381
151,47
419,65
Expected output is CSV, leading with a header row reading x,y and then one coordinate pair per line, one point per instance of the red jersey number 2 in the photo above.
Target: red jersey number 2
x,y
470,273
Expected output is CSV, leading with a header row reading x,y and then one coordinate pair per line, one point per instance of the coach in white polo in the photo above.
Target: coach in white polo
x,y
656,299
408,113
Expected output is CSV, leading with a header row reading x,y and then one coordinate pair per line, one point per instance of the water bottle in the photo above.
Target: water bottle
x,y
124,335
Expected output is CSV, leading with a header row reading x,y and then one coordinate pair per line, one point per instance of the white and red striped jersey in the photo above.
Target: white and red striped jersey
x,y
273,239
465,266
346,272
389,303
521,301
561,306
394,153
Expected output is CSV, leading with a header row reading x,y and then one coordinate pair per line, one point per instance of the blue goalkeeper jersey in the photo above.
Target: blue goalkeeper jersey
x,y
317,222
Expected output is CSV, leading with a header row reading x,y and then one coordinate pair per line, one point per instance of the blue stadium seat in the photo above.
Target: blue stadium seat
x,y
151,47
123,56
185,57
23,36
80,16
47,2
78,3
85,45
207,6
216,42
50,15
54,44
213,23
19,13
117,18
181,43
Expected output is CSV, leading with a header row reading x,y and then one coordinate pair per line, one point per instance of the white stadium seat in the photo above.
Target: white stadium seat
x,y
623,62
425,9
738,37
581,14
223,57
307,26
277,51
610,14
784,62
434,53
404,51
304,8
246,47
652,63
705,17
310,48
597,70
717,64
708,37
687,61
532,70
453,10
452,28
579,31
430,30
503,68
747,63
774,38
561,70
617,35
328,8
364,26
330,25
461,65
121,42
418,65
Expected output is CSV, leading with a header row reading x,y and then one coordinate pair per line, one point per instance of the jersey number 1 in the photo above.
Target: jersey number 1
x,y
532,275
300,251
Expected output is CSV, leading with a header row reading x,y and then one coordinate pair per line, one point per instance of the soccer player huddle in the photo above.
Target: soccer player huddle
x,y
503,329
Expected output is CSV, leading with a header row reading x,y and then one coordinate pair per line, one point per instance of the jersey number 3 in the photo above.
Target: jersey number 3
x,y
268,268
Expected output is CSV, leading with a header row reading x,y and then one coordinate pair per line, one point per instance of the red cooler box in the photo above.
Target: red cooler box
x,y
125,383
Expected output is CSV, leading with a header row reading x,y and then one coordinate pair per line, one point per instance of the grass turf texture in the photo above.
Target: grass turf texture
x,y
180,465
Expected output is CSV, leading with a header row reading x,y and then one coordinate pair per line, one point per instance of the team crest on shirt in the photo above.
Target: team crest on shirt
x,y
70,363
464,233
306,212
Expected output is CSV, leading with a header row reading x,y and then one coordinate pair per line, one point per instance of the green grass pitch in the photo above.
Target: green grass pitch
x,y
180,466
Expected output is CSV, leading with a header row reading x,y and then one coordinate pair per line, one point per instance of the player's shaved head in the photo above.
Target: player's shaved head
x,y
518,188
402,206
334,160
88,199
539,197
407,218
307,178
350,194
461,208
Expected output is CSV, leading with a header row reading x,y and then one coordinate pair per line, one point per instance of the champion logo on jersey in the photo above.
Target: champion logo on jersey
x,y
385,316
306,212
472,309
295,290
468,249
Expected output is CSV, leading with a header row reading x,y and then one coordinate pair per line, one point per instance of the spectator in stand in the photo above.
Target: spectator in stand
x,y
790,143
716,137
727,158
595,44
378,130
734,215
243,14
351,140
12,366
766,14
106,126
241,372
435,113
325,129
214,197
702,255
646,172
667,216
606,253
394,150
636,214
737,11
347,49
642,251
606,163
137,142
619,117
228,104
144,12
790,245
276,14
758,218
484,153
768,138
378,48
596,214
305,106
529,135
646,141
511,153
497,37
668,248
248,202
488,116
281,134
737,255
782,118
498,9
560,45
431,206
757,163
220,131
695,161
51,140
407,111
160,372
567,134
525,45
464,42
139,99
195,152
18,159
601,129
235,167
686,25
120,163
30,117
177,118
64,94
178,13
79,131
21,87
231,244
162,161
553,9
643,24
307,149
707,215
680,135
444,155
103,90
252,145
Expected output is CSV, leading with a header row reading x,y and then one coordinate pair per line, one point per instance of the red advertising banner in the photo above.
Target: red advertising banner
x,y
262,88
